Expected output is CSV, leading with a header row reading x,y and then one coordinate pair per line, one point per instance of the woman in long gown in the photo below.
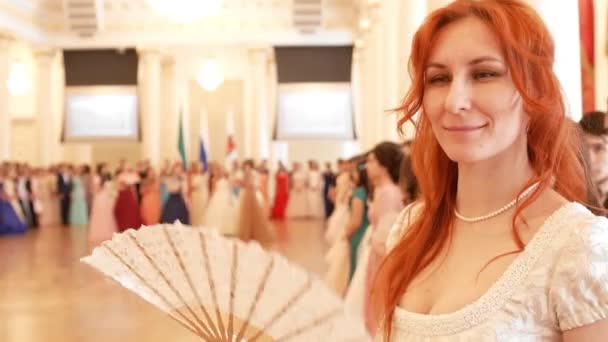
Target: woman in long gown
x,y
126,208
79,215
297,206
339,218
103,223
150,199
314,191
45,196
383,170
199,195
175,209
221,211
10,223
329,183
164,173
262,174
282,193
252,220
10,191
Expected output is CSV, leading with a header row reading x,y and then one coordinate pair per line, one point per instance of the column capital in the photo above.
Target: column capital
x,y
45,55
148,52
260,53
6,39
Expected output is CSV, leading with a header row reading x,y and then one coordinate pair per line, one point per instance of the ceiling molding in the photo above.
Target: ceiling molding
x,y
131,23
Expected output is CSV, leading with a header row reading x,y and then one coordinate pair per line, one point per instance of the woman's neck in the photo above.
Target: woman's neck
x,y
382,180
486,186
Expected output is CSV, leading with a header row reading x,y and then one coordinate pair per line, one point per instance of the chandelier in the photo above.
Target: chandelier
x,y
210,76
186,10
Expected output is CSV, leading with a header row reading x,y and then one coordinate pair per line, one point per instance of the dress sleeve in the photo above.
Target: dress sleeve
x,y
360,194
579,285
400,226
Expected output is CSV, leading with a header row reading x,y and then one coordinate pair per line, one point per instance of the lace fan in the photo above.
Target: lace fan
x,y
224,290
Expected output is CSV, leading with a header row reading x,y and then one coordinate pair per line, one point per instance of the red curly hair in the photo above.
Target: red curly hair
x,y
554,147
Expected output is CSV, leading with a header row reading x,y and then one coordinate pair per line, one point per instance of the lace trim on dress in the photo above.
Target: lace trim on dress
x,y
481,309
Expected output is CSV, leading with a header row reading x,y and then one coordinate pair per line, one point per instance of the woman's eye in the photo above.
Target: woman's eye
x,y
439,79
484,75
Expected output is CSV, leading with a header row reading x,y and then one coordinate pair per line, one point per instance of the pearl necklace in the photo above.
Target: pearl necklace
x,y
511,204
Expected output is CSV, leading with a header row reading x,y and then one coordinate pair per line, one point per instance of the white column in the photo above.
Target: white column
x,y
368,95
182,69
245,148
415,11
273,84
394,63
57,107
562,19
379,42
358,94
44,60
150,67
260,135
5,119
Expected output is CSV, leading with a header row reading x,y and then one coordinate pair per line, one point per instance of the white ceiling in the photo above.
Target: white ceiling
x,y
125,23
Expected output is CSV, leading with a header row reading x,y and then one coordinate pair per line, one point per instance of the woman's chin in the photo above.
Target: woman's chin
x,y
462,156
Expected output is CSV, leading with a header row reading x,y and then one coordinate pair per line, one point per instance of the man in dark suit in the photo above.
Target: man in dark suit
x,y
64,190
28,187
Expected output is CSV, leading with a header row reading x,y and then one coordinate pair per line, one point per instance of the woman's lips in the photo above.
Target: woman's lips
x,y
464,128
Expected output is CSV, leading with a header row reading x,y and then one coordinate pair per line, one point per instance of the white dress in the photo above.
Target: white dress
x,y
200,197
297,205
560,282
314,192
222,211
341,215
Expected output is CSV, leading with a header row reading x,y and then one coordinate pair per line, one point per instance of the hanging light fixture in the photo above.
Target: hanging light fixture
x,y
210,76
17,82
186,10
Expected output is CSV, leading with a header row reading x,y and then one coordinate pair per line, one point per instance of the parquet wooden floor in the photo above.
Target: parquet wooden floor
x,y
47,295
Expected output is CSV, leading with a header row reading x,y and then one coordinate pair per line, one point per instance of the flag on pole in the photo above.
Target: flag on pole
x,y
181,143
204,141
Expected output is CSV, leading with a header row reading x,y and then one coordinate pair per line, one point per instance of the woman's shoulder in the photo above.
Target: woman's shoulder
x,y
399,228
579,283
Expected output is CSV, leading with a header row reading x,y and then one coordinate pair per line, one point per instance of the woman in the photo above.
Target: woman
x,y
164,173
282,193
314,191
496,248
221,211
175,209
262,173
252,219
150,198
103,223
342,194
329,182
79,213
343,258
359,219
382,167
199,195
10,223
297,206
126,207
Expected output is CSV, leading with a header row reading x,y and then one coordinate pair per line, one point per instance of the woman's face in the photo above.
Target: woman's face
x,y
470,100
373,167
